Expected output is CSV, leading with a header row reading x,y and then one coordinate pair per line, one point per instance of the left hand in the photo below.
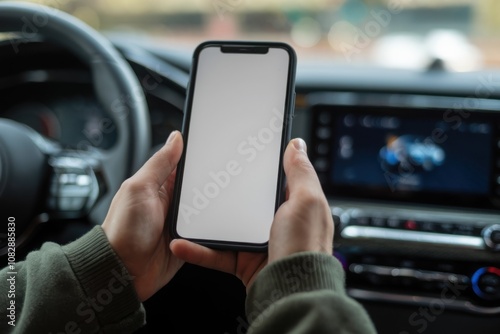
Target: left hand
x,y
135,223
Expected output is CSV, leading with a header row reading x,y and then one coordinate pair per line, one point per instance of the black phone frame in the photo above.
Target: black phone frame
x,y
235,47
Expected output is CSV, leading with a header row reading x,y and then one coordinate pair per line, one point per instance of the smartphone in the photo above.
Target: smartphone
x,y
237,122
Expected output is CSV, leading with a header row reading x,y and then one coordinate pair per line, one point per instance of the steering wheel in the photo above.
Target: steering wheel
x,y
41,181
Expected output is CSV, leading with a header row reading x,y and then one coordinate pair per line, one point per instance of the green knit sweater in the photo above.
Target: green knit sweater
x,y
84,288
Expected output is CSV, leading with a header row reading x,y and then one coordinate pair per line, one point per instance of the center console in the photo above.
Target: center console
x,y
415,184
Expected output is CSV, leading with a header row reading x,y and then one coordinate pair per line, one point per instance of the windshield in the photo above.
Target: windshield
x,y
461,34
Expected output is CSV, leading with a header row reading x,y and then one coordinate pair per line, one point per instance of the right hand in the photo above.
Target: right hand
x,y
303,223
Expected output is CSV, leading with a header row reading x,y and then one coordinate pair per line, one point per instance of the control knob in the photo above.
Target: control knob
x,y
486,283
491,236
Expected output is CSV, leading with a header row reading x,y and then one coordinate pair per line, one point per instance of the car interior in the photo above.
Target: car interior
x,y
397,100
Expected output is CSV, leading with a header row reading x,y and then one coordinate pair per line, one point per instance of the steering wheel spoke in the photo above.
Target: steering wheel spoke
x,y
40,181
76,184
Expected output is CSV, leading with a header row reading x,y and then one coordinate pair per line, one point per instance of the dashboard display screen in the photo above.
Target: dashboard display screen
x,y
437,156
407,154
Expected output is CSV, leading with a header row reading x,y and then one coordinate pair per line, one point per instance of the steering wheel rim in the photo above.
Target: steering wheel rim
x,y
115,84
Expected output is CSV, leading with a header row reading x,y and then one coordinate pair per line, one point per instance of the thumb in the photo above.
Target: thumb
x,y
162,163
300,173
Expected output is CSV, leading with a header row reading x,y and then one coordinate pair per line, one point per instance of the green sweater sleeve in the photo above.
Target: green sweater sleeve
x,y
304,293
79,288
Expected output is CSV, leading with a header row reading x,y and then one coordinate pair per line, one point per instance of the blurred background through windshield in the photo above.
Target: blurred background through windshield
x,y
414,34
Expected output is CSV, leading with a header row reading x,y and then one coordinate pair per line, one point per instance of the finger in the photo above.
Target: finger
x,y
202,256
162,163
300,173
170,184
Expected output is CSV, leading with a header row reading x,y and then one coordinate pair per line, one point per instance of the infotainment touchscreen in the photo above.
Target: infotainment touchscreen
x,y
407,154
427,155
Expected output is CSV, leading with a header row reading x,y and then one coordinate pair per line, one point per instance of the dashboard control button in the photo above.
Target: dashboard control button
x,y
322,149
447,227
495,237
411,225
491,236
394,222
486,283
462,229
378,222
490,281
429,227
361,221
324,133
321,164
325,118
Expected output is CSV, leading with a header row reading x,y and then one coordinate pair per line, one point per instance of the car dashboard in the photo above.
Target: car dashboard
x,y
409,161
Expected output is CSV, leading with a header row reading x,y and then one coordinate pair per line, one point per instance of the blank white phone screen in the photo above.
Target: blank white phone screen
x,y
231,169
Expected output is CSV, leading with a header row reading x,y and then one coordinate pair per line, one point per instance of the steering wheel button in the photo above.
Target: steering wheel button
x,y
71,203
64,204
78,203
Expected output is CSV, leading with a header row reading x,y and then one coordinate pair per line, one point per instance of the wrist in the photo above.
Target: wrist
x,y
300,272
103,277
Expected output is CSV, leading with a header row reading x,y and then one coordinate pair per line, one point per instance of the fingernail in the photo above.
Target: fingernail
x,y
172,135
300,144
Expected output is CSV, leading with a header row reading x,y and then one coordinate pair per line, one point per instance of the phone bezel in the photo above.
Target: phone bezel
x,y
236,47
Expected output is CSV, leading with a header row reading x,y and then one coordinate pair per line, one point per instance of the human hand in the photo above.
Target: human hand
x,y
303,223
135,223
